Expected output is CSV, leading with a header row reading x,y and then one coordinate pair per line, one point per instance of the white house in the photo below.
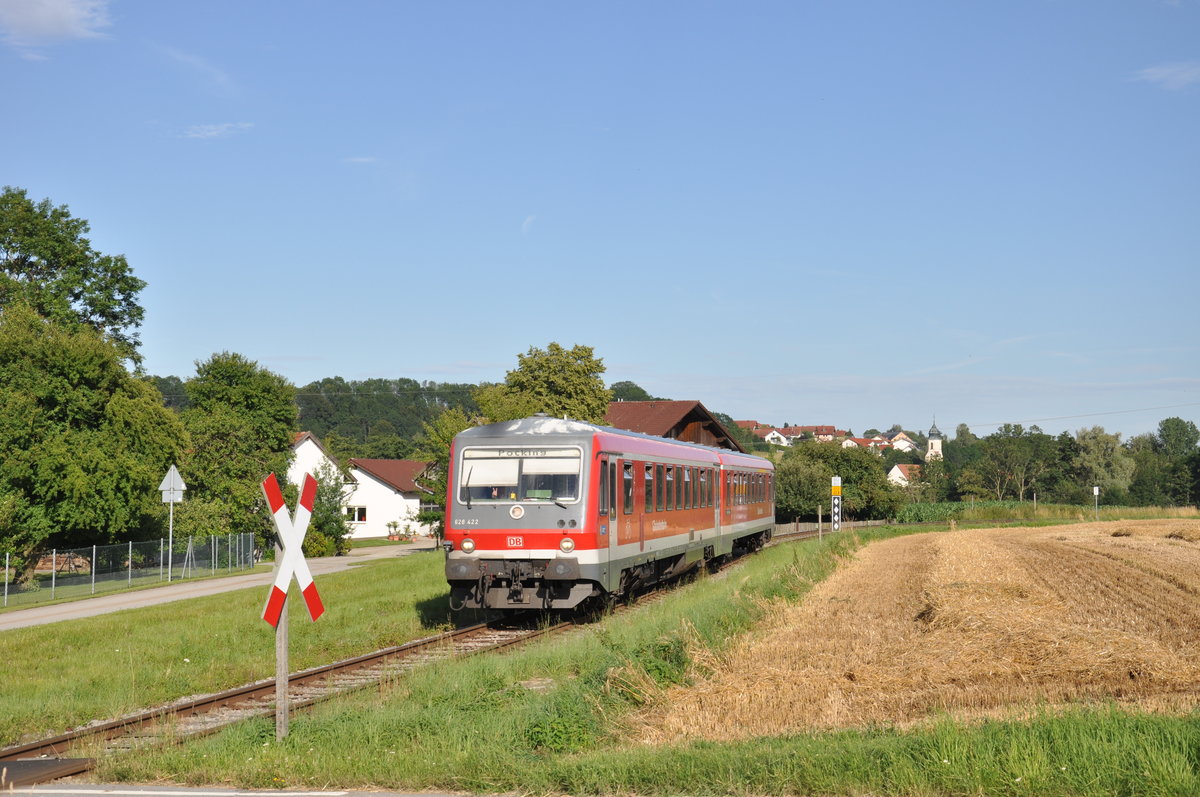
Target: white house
x,y
385,491
904,475
377,492
308,456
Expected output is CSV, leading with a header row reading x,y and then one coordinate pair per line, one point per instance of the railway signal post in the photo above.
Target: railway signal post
x,y
289,562
835,504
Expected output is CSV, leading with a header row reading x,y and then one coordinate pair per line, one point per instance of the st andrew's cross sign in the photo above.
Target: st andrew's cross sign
x,y
290,560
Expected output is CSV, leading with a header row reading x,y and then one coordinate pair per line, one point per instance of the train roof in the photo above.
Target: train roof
x,y
538,425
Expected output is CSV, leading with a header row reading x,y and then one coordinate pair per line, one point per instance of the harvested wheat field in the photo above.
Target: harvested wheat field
x,y
969,623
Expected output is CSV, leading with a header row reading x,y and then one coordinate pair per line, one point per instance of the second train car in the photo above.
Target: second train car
x,y
544,513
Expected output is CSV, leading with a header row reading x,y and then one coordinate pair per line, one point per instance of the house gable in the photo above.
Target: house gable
x,y
677,420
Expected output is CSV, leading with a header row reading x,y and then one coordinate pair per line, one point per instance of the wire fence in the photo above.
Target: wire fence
x,y
78,572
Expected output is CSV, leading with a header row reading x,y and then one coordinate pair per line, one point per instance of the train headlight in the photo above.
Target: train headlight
x,y
467,545
566,545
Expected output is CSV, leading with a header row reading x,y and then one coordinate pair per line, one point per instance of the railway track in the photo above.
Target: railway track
x,y
57,756
76,751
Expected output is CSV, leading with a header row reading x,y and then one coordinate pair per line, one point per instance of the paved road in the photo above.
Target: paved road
x,y
182,590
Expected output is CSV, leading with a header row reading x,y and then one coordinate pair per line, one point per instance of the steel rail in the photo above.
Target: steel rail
x,y
321,683
263,693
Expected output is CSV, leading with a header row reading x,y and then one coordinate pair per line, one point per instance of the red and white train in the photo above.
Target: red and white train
x,y
544,513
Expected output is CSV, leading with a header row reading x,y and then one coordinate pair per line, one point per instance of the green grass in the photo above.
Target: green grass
x,y
551,718
57,676
1008,511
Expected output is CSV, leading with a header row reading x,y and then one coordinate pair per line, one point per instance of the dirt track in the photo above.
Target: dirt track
x,y
971,623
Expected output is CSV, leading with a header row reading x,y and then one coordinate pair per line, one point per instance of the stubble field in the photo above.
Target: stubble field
x,y
966,623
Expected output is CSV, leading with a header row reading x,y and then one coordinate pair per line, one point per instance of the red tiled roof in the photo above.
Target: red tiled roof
x,y
664,418
910,471
400,474
647,417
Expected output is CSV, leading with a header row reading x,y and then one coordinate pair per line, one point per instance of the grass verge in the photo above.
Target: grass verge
x,y
59,676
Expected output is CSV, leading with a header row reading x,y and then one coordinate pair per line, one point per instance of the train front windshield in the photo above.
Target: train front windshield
x,y
519,474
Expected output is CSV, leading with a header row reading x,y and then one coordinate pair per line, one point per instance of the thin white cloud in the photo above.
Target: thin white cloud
x,y
213,75
361,160
217,131
1172,77
527,225
37,21
28,23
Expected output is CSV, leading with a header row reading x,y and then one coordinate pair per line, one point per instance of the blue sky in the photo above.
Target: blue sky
x,y
849,213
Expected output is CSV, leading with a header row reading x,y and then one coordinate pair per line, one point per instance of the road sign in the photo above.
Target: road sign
x,y
835,504
290,559
172,487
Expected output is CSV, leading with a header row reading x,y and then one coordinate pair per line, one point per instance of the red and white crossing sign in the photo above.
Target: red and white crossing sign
x,y
291,531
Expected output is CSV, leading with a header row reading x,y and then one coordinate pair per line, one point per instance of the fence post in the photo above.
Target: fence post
x,y
6,579
130,579
160,542
93,569
53,570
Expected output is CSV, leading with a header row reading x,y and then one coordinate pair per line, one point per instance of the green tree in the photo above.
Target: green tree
x,y
1012,462
84,443
242,421
47,263
743,437
629,391
556,381
435,448
1102,461
1149,484
866,492
172,390
1177,441
329,528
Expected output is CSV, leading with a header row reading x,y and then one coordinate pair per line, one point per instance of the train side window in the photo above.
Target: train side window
x,y
649,488
603,503
660,494
689,487
706,486
669,486
627,488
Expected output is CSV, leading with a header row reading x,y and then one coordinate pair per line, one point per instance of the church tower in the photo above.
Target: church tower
x,y
934,451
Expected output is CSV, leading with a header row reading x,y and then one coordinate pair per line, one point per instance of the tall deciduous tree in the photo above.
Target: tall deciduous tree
x,y
866,492
629,391
435,448
47,263
557,381
242,421
1103,462
83,443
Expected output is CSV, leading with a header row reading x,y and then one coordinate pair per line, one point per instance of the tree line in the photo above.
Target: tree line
x,y
1013,463
86,436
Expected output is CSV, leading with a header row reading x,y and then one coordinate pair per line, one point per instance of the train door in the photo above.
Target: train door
x,y
606,502
646,502
625,530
